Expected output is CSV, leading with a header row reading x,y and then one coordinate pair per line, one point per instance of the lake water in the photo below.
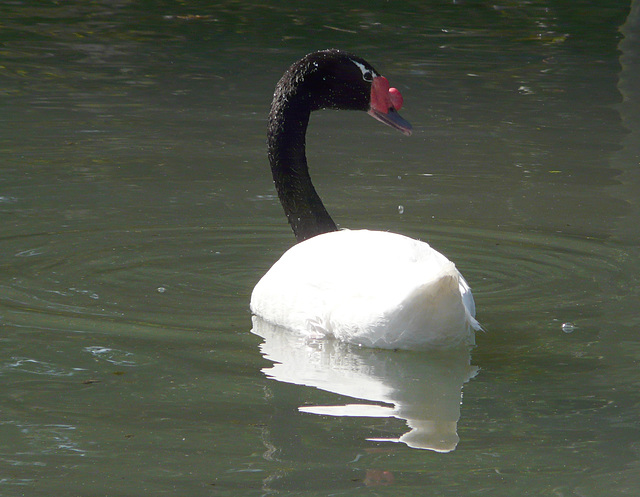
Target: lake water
x,y
138,212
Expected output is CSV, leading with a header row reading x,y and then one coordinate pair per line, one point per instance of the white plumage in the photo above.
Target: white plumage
x,y
370,288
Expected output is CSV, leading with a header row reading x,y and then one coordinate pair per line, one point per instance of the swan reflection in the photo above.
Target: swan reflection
x,y
424,389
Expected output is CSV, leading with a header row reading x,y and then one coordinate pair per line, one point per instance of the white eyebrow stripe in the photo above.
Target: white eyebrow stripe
x,y
363,69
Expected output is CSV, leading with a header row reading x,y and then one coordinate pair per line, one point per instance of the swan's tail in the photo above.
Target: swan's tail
x,y
434,315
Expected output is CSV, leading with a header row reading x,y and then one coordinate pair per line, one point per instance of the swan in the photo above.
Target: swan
x,y
369,288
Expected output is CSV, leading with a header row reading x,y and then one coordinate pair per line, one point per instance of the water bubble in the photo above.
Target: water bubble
x,y
400,209
161,289
568,327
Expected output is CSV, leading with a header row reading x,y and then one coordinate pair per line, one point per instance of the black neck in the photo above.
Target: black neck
x,y
305,211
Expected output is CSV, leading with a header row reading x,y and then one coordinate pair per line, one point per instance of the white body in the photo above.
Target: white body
x,y
370,288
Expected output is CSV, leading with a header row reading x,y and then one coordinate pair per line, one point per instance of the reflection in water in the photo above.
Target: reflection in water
x,y
422,389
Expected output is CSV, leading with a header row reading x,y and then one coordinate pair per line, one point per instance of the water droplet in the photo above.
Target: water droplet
x,y
400,209
568,327
161,289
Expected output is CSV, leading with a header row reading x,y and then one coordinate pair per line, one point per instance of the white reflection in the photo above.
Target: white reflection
x,y
424,389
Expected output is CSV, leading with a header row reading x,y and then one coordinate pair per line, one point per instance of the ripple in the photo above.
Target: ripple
x,y
42,439
34,366
202,277
113,356
530,273
185,277
520,266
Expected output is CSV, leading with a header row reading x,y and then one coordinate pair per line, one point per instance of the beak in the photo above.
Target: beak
x,y
385,103
393,119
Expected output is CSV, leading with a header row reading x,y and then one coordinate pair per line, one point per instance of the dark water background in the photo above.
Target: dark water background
x,y
138,212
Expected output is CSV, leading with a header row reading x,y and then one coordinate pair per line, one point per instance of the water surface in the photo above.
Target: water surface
x,y
138,213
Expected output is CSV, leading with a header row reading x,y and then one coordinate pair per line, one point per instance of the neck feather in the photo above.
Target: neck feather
x,y
305,211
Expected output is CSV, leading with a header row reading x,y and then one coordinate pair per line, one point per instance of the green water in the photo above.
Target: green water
x,y
138,212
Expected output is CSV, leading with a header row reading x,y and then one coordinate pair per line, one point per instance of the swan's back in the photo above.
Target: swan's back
x,y
370,288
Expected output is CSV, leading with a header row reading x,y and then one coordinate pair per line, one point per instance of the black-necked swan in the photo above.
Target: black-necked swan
x,y
371,288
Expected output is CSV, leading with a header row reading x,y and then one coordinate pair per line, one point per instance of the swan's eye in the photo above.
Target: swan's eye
x,y
367,74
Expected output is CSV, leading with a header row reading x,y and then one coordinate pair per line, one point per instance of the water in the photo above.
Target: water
x,y
138,213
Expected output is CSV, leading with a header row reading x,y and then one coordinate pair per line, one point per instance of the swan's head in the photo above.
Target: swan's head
x,y
339,80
